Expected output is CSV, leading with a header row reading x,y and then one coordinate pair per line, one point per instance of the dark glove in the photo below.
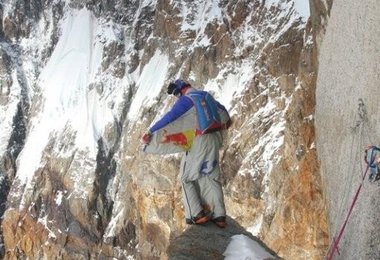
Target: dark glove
x,y
227,124
146,138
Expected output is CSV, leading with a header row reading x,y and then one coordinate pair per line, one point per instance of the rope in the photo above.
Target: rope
x,y
355,150
336,241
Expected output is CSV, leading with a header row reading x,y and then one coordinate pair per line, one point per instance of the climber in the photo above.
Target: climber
x,y
372,158
202,192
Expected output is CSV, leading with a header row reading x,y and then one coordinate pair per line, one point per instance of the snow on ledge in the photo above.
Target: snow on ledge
x,y
242,247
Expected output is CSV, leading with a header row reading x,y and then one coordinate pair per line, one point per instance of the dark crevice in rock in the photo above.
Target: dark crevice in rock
x,y
105,171
126,235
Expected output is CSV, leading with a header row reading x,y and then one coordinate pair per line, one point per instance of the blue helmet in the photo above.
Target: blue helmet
x,y
176,86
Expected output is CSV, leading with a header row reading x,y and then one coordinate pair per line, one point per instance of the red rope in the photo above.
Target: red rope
x,y
336,241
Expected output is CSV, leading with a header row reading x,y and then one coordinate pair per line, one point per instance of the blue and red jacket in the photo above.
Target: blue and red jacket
x,y
181,106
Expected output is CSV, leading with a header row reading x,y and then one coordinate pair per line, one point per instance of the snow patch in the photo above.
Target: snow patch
x,y
197,14
58,199
230,82
7,111
242,247
44,221
309,117
255,229
149,84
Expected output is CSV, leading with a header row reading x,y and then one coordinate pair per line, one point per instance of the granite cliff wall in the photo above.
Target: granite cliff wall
x,y
347,120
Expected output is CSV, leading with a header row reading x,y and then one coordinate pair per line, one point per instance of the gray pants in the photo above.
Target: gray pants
x,y
200,172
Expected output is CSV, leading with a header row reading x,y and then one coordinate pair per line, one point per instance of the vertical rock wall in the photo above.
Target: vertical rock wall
x,y
348,75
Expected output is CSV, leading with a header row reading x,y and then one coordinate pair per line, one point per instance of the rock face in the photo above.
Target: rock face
x,y
349,61
187,245
75,102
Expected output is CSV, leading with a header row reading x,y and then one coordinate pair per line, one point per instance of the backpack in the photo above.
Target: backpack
x,y
208,118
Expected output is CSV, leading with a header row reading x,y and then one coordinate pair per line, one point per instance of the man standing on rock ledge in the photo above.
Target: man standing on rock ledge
x,y
194,124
